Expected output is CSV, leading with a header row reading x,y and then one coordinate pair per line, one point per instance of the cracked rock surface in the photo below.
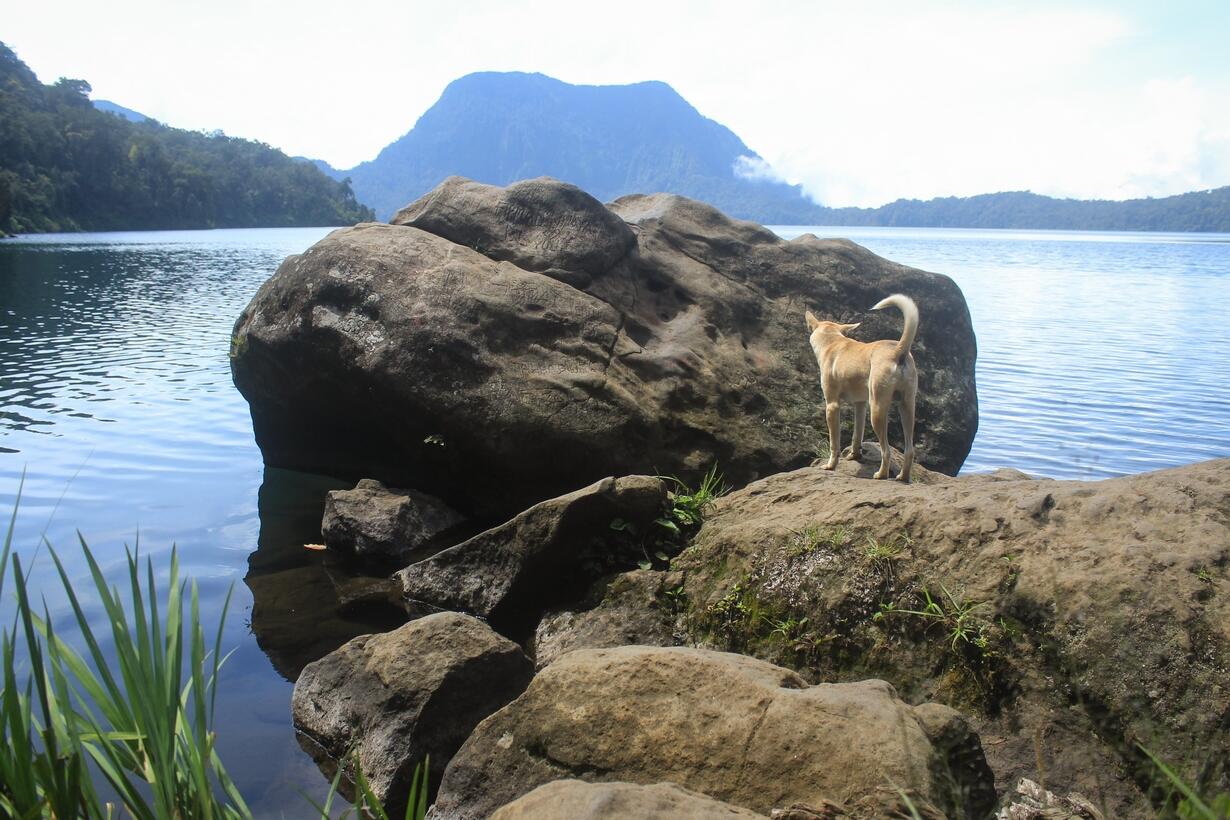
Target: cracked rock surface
x,y
499,346
734,728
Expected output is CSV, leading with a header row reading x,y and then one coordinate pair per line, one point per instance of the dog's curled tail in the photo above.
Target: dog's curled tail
x,y
909,310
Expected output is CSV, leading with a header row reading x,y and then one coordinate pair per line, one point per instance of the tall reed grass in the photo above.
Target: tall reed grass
x,y
123,725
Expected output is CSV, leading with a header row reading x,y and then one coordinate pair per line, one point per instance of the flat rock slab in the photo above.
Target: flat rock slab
x,y
521,566
578,800
400,696
500,346
737,729
390,524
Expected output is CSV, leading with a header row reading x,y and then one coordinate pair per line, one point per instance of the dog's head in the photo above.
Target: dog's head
x,y
814,325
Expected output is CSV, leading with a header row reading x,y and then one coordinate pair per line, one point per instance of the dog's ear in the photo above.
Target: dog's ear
x,y
848,328
812,321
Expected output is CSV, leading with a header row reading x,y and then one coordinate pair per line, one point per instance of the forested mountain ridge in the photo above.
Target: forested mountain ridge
x,y
67,166
610,140
1197,211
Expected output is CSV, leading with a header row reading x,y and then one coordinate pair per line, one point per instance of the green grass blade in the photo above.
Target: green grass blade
x,y
1194,801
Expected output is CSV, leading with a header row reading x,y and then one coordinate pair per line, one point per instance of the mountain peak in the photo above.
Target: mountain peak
x,y
611,140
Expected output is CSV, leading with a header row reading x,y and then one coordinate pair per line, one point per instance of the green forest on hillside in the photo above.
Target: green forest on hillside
x,y
1195,211
65,166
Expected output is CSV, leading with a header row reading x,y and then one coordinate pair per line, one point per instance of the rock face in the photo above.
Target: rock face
x,y
734,728
399,696
522,566
539,226
1072,620
638,607
578,800
374,521
505,345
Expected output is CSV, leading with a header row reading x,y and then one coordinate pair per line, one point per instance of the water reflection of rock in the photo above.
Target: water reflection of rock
x,y
305,603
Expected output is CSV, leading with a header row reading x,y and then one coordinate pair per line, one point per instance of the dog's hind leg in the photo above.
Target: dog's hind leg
x,y
832,413
860,422
906,408
879,423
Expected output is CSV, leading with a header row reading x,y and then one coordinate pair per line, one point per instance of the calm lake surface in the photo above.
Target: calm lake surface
x,y
1099,354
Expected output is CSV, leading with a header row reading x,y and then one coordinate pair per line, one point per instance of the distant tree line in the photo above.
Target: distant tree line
x,y
66,166
1196,211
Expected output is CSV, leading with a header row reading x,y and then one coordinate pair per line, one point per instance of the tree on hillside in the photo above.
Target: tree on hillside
x,y
65,165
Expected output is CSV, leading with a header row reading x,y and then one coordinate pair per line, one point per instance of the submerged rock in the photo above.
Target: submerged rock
x,y
578,800
374,521
398,697
504,345
552,550
737,729
306,604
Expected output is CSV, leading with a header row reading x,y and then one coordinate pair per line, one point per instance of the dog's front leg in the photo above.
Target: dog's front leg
x,y
832,413
860,421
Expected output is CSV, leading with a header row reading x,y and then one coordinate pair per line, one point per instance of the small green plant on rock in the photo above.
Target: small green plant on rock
x,y
883,554
957,615
678,598
732,609
685,511
814,536
688,507
789,629
972,637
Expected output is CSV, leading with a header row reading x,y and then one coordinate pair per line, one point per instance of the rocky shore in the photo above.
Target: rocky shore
x,y
512,372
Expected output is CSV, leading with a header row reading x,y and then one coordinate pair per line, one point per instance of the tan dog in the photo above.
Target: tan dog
x,y
860,373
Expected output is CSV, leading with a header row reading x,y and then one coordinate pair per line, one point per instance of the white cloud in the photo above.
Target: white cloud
x,y
755,168
860,103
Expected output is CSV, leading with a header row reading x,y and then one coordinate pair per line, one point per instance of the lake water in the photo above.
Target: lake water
x,y
1099,354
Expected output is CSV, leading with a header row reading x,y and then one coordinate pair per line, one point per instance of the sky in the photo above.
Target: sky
x,y
859,102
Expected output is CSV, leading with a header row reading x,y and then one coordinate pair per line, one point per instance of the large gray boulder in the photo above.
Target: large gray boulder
x,y
375,521
400,696
737,729
500,346
521,567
